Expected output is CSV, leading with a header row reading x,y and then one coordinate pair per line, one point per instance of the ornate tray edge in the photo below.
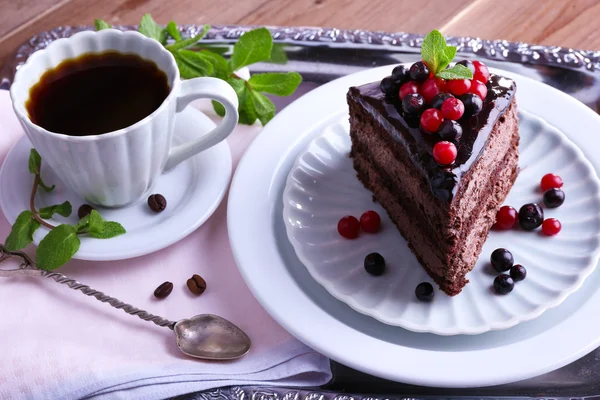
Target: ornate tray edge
x,y
492,49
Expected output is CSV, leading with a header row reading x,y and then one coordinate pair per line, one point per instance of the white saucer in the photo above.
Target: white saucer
x,y
193,190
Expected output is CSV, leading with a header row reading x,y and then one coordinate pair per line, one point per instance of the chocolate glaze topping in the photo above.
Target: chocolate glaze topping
x,y
444,181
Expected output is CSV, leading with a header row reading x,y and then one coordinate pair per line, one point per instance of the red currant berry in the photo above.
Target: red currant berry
x,y
444,152
349,227
459,86
442,84
453,108
551,226
370,221
408,88
481,72
551,181
429,89
431,119
506,218
479,89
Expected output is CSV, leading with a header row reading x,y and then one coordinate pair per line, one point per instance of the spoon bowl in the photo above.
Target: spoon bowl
x,y
211,337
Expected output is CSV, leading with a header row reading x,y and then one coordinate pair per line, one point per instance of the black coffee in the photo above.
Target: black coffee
x,y
97,93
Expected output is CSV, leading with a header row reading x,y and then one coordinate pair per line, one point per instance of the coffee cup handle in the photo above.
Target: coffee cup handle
x,y
205,88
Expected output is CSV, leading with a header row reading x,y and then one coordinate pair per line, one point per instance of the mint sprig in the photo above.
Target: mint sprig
x,y
252,47
438,55
62,242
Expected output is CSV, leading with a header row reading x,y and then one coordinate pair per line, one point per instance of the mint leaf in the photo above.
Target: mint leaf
x,y
192,65
83,224
449,53
57,248
219,109
265,109
278,83
22,232
252,47
100,24
44,186
173,31
278,55
458,71
219,63
35,161
182,44
110,229
151,29
433,51
246,108
95,223
63,209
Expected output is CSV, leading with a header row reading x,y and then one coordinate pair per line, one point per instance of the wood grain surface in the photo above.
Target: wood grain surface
x,y
570,23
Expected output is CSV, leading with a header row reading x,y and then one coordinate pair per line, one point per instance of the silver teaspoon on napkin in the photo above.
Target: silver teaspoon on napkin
x,y
204,336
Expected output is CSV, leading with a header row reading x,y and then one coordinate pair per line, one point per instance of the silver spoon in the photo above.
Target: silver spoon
x,y
204,336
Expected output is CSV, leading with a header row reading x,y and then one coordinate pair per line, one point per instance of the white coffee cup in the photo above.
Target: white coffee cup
x,y
117,168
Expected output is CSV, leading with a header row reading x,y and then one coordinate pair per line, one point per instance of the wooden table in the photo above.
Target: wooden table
x,y
571,23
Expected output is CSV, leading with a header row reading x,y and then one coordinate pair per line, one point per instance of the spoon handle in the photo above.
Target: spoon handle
x,y
28,268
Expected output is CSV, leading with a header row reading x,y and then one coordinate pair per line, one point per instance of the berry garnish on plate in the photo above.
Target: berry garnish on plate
x,y
439,99
450,131
424,291
348,227
531,216
429,89
374,264
503,284
370,221
408,88
431,119
388,86
444,152
481,72
473,104
551,226
554,198
459,86
506,218
551,181
502,260
419,72
400,74
453,109
518,272
479,88
413,104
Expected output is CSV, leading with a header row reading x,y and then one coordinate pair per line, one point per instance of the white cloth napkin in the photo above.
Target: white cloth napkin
x,y
56,343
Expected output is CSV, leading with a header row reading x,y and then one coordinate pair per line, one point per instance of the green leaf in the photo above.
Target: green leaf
x,y
220,67
101,24
95,223
246,109
110,229
433,50
35,161
182,44
278,83
219,109
151,29
449,53
458,71
265,109
83,224
192,65
63,209
57,248
44,186
278,54
252,47
173,31
22,232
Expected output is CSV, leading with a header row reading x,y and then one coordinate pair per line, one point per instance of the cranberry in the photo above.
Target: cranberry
x,y
551,226
442,84
349,227
506,218
453,108
481,72
370,221
551,181
444,152
408,88
459,86
429,89
431,119
439,99
479,89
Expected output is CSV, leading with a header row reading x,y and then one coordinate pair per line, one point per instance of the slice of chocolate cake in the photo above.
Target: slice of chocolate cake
x,y
442,195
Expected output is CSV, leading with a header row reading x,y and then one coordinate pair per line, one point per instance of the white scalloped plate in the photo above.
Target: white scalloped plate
x,y
322,187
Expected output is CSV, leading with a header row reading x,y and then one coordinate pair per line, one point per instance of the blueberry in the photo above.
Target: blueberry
x,y
424,291
413,104
400,74
502,260
450,131
389,87
531,216
439,99
467,64
518,272
473,104
554,198
419,72
374,264
503,284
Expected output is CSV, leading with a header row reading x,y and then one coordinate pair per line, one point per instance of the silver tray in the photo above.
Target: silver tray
x,y
324,54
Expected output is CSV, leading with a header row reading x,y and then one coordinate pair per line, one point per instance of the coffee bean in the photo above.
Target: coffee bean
x,y
157,202
196,284
84,210
163,290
